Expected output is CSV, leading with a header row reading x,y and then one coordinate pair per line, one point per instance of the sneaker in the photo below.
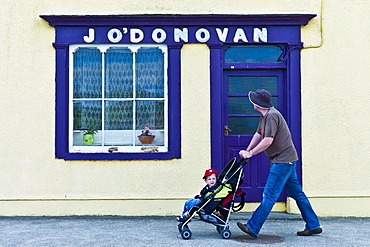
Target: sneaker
x,y
181,218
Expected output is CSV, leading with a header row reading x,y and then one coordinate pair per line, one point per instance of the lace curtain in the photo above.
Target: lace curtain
x,y
132,86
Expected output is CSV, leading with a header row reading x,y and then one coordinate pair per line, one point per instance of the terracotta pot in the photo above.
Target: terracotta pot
x,y
146,139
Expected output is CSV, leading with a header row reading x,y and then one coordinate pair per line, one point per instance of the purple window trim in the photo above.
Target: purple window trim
x,y
61,123
69,23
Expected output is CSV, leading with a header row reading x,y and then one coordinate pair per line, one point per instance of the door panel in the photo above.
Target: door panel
x,y
241,121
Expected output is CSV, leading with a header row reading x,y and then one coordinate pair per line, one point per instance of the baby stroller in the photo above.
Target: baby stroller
x,y
217,206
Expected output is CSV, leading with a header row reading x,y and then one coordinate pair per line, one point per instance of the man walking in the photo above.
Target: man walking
x,y
274,138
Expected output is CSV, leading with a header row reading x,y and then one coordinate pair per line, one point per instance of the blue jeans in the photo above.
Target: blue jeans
x,y
189,204
282,176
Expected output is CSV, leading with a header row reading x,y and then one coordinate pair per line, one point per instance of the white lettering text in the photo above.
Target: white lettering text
x,y
202,35
114,35
91,37
162,35
240,35
181,34
136,35
259,34
222,35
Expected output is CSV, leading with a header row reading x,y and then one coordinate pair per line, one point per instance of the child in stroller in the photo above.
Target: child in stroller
x,y
217,202
210,177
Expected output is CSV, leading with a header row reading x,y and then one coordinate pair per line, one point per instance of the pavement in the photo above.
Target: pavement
x,y
163,231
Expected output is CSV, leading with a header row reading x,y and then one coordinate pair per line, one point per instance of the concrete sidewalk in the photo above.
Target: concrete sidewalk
x,y
162,231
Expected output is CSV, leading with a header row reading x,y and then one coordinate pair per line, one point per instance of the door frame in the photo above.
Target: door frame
x,y
291,58
257,170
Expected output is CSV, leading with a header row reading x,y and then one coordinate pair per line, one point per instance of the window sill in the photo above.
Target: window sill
x,y
119,156
117,149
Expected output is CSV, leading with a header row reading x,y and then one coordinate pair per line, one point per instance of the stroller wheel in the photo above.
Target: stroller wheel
x,y
226,234
219,229
186,234
182,227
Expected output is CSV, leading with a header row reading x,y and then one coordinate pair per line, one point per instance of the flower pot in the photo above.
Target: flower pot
x,y
88,139
146,139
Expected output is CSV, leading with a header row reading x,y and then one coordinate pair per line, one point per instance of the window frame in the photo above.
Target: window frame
x,y
135,148
62,112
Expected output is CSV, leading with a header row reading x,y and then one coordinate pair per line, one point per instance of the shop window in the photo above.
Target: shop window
x,y
117,90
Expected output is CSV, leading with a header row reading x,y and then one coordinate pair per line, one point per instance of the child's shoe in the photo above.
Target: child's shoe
x,y
182,218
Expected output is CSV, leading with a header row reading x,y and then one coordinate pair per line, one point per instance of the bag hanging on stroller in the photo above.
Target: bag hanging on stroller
x,y
221,201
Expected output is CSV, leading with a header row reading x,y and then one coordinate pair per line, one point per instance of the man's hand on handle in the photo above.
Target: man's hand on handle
x,y
245,154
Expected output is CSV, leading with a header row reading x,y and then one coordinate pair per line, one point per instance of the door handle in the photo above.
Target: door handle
x,y
226,130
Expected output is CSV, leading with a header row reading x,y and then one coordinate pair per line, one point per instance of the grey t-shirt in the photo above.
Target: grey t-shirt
x,y
282,149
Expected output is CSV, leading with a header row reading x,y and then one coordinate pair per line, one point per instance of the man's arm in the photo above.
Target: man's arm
x,y
254,142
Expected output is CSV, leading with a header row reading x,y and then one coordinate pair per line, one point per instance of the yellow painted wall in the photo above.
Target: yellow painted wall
x,y
335,93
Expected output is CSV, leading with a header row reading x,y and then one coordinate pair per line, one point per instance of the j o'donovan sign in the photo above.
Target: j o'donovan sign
x,y
175,35
177,29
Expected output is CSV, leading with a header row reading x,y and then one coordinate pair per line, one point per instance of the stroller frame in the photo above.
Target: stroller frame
x,y
222,225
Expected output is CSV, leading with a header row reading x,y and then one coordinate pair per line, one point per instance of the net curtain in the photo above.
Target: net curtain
x,y
132,89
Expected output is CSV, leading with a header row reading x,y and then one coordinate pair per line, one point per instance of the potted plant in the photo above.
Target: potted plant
x,y
88,135
146,136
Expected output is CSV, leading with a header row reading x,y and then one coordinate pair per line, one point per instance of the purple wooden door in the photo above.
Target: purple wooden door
x,y
240,122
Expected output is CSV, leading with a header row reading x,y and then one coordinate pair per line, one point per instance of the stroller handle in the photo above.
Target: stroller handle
x,y
242,162
232,168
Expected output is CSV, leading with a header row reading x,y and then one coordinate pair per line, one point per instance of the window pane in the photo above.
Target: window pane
x,y
118,115
150,112
87,114
87,73
253,54
149,73
240,105
244,84
243,125
118,73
